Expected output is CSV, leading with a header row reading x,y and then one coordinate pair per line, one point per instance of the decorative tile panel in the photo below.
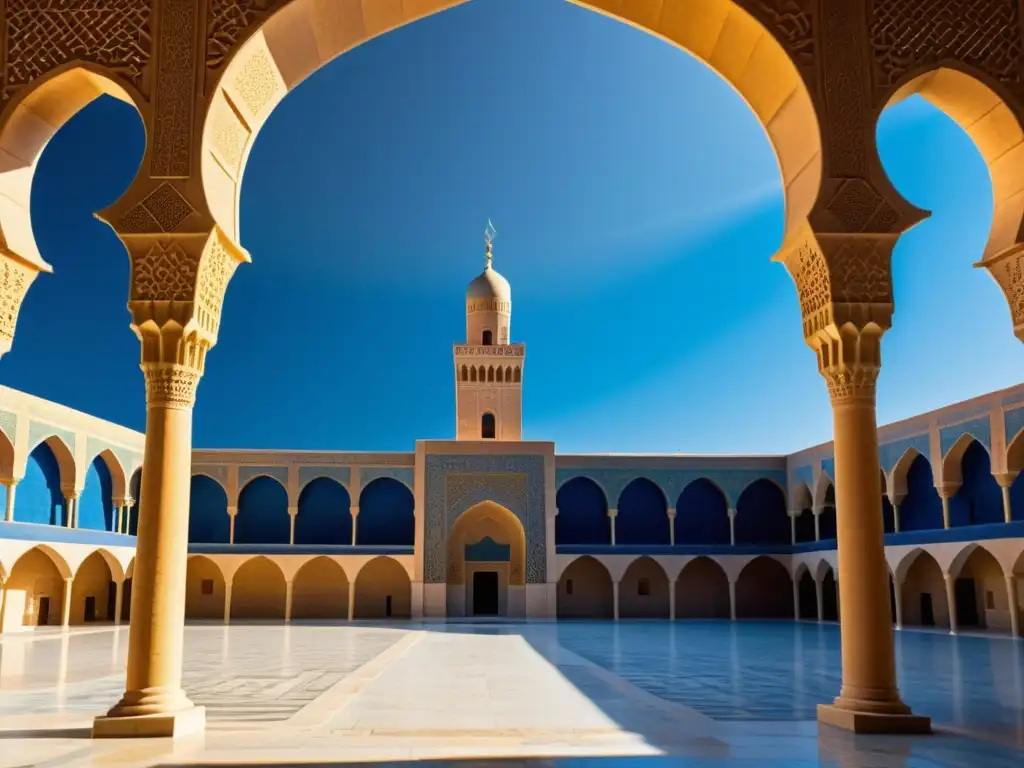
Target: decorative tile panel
x,y
979,429
218,472
94,446
454,483
39,431
828,466
890,453
245,474
805,475
1013,420
672,481
404,475
309,474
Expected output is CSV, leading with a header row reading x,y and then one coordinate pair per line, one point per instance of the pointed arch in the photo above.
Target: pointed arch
x,y
702,590
490,373
34,590
205,589
93,590
96,510
764,590
952,471
258,590
979,499
40,497
982,599
582,512
821,486
761,514
465,373
921,508
702,514
642,514
518,375
643,590
487,519
263,513
501,375
923,591
585,590
472,373
383,590
827,521
320,590
386,513
208,519
324,513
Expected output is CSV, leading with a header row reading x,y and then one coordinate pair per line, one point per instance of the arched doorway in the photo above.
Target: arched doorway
x,y
320,590
980,588
643,591
39,498
486,573
702,590
585,591
34,592
383,590
258,590
93,592
807,596
764,590
204,589
924,593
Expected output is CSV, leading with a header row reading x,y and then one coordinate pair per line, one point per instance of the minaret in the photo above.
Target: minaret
x,y
488,369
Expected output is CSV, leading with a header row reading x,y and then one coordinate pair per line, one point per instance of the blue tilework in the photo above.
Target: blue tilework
x,y
1014,423
805,475
979,429
890,453
40,430
8,424
828,466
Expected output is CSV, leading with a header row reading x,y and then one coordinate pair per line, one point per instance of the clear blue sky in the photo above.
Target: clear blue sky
x,y
637,203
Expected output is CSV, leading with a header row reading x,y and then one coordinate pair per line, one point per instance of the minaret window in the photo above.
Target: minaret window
x,y
488,338
465,373
487,426
472,373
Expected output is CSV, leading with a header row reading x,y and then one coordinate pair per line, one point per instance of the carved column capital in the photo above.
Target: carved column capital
x,y
169,385
1007,269
16,276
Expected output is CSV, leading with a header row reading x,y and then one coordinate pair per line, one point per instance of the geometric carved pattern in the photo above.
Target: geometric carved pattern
x,y
163,210
226,22
14,283
908,34
455,483
170,386
215,270
175,90
165,272
791,23
860,208
860,270
1008,272
44,34
256,82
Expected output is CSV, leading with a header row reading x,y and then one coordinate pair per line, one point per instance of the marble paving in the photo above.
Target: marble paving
x,y
680,694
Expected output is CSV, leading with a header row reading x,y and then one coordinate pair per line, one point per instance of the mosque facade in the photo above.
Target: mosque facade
x,y
489,524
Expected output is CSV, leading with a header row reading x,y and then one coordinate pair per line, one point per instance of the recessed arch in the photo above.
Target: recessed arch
x,y
923,591
118,475
702,514
802,498
34,590
324,513
96,502
702,590
979,499
828,523
40,496
92,591
951,461
31,121
320,590
963,95
761,514
386,513
921,508
306,34
487,519
981,597
263,513
642,514
764,590
383,590
582,512
585,590
821,487
208,519
258,590
643,590
205,588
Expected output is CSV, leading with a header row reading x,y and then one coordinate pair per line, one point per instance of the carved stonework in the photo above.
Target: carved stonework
x,y
15,279
1007,269
792,24
909,35
226,23
850,383
171,131
163,210
217,267
40,35
166,271
170,386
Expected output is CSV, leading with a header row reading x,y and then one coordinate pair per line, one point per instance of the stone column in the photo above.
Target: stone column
x,y
732,527
896,518
612,514
1005,480
796,598
792,525
154,703
355,519
671,601
945,494
897,589
118,601
65,609
816,511
951,603
12,485
232,514
732,600
288,600
129,502
351,600
69,507
671,527
615,599
1011,597
227,602
293,512
819,597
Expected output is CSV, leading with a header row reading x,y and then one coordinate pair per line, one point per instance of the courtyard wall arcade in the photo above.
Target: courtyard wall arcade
x,y
205,77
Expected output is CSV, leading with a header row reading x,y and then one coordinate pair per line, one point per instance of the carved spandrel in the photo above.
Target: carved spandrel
x,y
792,23
41,35
15,279
1007,269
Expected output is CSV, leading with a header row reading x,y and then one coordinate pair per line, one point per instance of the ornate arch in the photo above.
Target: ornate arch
x,y
483,519
952,470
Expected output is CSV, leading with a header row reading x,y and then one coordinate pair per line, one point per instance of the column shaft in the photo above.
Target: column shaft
x,y
896,518
1007,510
9,510
288,600
945,511
951,603
156,636
869,659
227,603
355,524
671,601
732,527
118,601
351,600
897,588
612,514
732,600
1011,597
65,610
615,600
819,596
792,528
817,523
672,527
796,600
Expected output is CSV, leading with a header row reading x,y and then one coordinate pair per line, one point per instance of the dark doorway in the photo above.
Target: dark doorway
x,y
90,608
808,598
43,618
927,610
485,593
892,600
111,601
829,598
966,603
387,606
126,600
488,426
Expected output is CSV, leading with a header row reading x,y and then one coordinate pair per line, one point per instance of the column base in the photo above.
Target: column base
x,y
873,722
174,725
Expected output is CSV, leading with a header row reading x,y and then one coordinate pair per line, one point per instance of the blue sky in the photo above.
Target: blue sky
x,y
638,206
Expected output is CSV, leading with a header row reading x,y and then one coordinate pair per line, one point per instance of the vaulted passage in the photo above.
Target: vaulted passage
x,y
258,591
320,591
643,591
383,590
702,514
204,589
585,591
764,591
702,591
325,514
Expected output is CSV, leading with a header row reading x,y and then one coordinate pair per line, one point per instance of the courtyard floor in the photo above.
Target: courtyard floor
x,y
663,694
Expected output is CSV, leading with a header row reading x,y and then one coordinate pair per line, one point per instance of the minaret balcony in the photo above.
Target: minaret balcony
x,y
490,350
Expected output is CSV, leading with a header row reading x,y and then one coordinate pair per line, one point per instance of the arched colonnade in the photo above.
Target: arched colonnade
x,y
204,98
226,587
46,482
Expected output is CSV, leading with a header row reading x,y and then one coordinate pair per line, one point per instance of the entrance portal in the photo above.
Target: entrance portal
x,y
485,593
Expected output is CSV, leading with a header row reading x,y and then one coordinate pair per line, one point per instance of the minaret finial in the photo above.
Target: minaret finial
x,y
489,234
